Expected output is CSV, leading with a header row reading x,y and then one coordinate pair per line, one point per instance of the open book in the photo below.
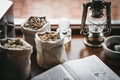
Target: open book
x,y
89,68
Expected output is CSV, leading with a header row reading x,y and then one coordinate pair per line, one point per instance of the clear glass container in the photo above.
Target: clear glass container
x,y
64,29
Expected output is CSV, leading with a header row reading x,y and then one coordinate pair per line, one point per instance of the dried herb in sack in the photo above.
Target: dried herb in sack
x,y
50,49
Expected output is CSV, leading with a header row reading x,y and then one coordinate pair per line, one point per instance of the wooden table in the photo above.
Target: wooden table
x,y
79,50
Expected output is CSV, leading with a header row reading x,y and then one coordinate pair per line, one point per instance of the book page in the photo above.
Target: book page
x,y
77,71
56,73
99,69
90,67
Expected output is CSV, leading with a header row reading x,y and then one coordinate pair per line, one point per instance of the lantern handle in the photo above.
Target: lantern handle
x,y
84,15
108,13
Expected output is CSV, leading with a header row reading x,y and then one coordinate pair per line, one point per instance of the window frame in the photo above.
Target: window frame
x,y
74,23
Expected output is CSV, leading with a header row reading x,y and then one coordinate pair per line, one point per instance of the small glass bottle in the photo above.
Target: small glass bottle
x,y
65,30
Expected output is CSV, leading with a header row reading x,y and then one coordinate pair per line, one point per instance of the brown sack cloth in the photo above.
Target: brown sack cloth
x,y
15,62
50,53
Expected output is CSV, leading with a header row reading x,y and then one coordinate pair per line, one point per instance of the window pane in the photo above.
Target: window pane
x,y
57,8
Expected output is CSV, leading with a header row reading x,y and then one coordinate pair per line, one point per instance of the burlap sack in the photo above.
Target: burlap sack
x,y
15,64
29,34
50,53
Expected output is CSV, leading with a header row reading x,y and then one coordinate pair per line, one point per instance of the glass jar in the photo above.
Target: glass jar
x,y
65,30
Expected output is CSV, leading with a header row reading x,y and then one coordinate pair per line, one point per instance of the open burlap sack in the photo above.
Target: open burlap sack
x,y
15,64
50,53
29,34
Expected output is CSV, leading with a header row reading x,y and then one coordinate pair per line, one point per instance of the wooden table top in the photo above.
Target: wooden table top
x,y
79,50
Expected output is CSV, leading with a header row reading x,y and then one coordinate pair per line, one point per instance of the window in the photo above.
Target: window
x,y
55,9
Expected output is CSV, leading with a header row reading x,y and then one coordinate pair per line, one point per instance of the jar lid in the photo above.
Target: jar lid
x,y
64,23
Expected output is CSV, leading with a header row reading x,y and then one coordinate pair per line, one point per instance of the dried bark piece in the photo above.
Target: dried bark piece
x,y
52,36
13,44
35,22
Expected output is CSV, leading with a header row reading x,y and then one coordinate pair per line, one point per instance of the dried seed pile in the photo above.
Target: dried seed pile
x,y
35,22
49,36
13,44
